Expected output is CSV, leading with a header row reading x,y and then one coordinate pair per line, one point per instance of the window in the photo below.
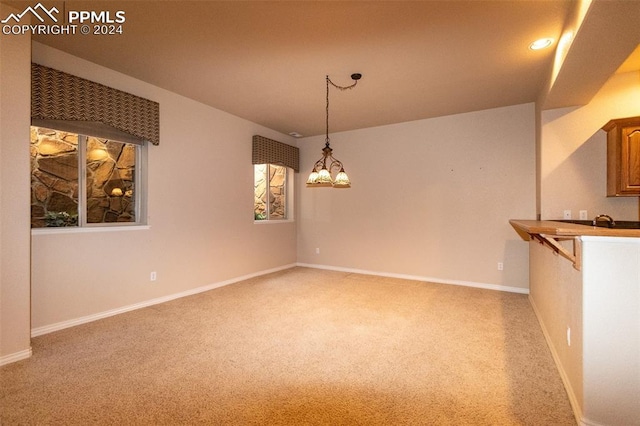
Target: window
x,y
271,192
79,180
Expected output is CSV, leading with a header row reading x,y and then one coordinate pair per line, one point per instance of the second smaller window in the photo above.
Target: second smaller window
x,y
270,192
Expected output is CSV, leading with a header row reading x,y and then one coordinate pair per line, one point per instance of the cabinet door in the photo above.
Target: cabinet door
x,y
630,160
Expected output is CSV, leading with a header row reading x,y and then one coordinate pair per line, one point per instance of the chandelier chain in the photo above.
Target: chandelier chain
x,y
342,87
321,174
326,140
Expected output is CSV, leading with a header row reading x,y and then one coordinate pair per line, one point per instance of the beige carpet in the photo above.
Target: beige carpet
x,y
298,347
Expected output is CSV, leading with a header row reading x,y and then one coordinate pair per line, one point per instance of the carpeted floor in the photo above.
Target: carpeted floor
x,y
298,347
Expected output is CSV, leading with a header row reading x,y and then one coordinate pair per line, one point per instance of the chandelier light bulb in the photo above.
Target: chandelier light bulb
x,y
324,178
313,178
342,180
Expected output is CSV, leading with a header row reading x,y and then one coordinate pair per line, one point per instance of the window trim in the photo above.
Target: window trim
x,y
272,221
50,230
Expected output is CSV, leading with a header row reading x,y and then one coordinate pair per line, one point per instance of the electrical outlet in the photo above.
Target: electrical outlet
x,y
583,215
317,250
500,266
567,214
153,276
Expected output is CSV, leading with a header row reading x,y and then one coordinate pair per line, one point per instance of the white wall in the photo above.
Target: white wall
x,y
430,199
14,195
574,153
556,296
600,305
611,313
200,204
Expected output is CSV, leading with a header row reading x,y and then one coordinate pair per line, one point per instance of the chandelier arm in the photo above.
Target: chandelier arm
x,y
335,164
318,164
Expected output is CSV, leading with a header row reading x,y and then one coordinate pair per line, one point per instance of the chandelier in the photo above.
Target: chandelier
x,y
321,175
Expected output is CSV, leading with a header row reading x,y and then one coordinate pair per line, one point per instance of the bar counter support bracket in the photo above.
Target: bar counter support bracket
x,y
553,243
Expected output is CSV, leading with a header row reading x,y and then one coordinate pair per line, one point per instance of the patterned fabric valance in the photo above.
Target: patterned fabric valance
x,y
267,150
71,103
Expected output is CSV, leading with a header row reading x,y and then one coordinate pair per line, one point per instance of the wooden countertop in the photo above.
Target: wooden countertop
x,y
564,229
549,232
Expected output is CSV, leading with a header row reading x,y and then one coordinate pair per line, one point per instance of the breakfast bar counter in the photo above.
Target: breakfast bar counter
x,y
567,229
589,311
550,233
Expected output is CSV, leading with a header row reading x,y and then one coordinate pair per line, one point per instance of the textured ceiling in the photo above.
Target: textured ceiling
x,y
267,61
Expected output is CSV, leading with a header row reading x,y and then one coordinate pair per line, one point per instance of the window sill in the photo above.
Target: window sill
x,y
87,229
272,222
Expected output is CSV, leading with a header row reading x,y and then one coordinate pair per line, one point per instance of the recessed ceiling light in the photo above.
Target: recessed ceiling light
x,y
295,134
541,44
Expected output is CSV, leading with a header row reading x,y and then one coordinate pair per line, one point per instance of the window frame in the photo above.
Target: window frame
x,y
140,186
289,189
140,193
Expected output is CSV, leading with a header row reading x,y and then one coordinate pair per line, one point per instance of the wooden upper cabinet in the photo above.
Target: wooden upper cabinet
x,y
623,157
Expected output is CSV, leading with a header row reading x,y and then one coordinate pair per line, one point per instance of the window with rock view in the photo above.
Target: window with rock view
x,y
270,192
79,180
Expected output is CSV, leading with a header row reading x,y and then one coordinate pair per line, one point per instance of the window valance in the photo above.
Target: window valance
x,y
66,102
269,151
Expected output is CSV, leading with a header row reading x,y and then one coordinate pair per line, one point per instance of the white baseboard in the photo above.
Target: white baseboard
x,y
586,422
573,400
39,331
419,278
14,357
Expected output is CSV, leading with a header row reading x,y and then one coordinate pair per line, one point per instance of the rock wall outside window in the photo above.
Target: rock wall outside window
x,y
55,175
277,191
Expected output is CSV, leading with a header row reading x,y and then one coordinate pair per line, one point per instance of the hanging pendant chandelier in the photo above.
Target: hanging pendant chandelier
x,y
321,175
